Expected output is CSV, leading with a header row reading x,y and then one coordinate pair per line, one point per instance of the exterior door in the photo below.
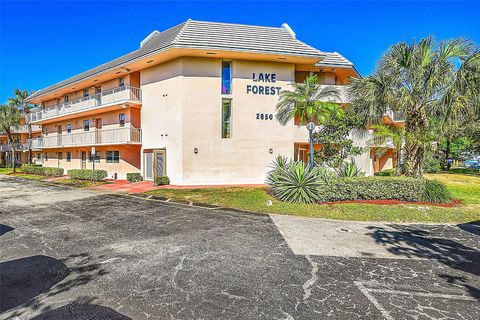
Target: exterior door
x,y
159,163
59,136
148,166
84,160
98,133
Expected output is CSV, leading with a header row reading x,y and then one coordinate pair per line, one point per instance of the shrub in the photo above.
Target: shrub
x,y
296,182
87,174
134,177
42,171
385,188
349,169
160,181
386,173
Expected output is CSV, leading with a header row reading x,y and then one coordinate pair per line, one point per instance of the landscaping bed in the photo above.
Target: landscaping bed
x,y
256,200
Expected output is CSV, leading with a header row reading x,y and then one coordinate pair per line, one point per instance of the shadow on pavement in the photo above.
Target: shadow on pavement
x,y
81,311
413,241
22,279
4,229
472,227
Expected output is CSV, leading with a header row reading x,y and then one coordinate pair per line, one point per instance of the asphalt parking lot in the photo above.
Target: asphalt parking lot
x,y
76,254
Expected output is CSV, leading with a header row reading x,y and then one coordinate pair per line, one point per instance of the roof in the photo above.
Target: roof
x,y
205,35
334,59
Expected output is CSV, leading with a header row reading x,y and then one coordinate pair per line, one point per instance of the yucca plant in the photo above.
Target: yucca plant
x,y
349,170
295,182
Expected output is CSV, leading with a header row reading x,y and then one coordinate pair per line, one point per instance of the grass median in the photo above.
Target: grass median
x,y
464,188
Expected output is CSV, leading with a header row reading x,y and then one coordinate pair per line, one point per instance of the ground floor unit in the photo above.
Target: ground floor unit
x,y
203,164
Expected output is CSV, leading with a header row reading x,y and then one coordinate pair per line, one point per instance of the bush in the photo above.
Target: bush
x,y
386,173
87,174
349,169
160,181
296,182
42,171
385,188
134,177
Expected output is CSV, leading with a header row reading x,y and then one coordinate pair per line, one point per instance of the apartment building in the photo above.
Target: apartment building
x,y
195,102
21,144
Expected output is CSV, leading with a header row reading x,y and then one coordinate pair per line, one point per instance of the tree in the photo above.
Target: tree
x,y
334,137
418,80
9,119
308,103
19,102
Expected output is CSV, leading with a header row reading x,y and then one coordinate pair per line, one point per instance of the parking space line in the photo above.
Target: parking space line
x,y
374,301
423,294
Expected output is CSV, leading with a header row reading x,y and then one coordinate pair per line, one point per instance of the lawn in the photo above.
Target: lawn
x,y
78,183
464,188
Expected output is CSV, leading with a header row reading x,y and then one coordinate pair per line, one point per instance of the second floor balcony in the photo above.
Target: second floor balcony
x,y
126,135
18,146
102,99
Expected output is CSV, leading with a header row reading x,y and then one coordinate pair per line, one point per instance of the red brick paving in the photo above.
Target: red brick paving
x,y
144,186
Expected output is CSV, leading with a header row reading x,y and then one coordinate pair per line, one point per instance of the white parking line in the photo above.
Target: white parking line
x,y
368,293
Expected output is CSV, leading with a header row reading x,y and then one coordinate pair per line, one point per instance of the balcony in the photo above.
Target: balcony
x,y
395,116
127,135
342,92
18,147
98,100
24,128
382,142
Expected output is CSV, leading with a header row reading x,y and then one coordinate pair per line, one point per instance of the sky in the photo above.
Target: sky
x,y
43,42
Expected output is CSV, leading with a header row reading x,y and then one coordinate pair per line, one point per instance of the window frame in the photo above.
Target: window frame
x,y
229,100
111,159
121,82
97,156
86,93
230,76
122,123
84,126
69,128
69,156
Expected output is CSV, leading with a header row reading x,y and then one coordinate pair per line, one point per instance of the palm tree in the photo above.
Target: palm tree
x,y
414,79
19,102
309,104
9,120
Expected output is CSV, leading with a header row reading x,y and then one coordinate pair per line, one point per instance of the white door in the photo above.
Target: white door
x,y
148,166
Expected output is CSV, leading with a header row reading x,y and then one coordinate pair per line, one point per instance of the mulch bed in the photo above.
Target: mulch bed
x,y
454,203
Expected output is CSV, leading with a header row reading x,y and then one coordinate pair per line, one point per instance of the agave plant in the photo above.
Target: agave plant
x,y
349,169
295,181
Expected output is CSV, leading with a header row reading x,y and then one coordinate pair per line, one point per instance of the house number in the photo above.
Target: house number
x,y
264,116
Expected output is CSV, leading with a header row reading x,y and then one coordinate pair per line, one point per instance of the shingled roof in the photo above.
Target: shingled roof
x,y
334,59
205,35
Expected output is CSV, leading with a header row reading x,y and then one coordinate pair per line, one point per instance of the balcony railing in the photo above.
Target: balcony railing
x,y
89,138
341,89
395,116
24,128
18,147
107,97
382,141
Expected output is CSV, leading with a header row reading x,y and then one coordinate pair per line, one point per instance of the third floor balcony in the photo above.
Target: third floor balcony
x,y
107,98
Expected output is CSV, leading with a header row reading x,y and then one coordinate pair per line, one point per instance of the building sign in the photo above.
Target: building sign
x,y
264,88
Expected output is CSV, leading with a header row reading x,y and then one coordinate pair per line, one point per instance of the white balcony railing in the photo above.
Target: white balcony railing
x,y
341,89
89,138
18,147
395,116
24,128
382,141
107,97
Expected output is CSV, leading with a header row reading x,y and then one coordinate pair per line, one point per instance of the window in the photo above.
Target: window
x,y
226,118
98,89
45,131
121,119
69,157
113,156
60,156
86,125
121,82
69,128
39,156
85,93
65,98
226,77
46,156
97,156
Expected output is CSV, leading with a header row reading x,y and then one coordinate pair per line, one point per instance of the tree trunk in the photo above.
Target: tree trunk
x,y
415,125
447,154
29,146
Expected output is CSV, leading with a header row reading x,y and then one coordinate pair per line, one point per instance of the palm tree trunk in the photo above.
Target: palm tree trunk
x,y
29,146
415,125
10,139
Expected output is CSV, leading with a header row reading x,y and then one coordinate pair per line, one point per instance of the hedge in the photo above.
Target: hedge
x,y
162,180
386,173
134,177
385,188
87,174
42,171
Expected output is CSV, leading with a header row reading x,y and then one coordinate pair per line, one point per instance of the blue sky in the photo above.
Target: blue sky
x,y
45,42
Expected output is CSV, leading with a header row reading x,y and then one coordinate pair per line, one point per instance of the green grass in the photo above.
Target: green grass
x,y
464,188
